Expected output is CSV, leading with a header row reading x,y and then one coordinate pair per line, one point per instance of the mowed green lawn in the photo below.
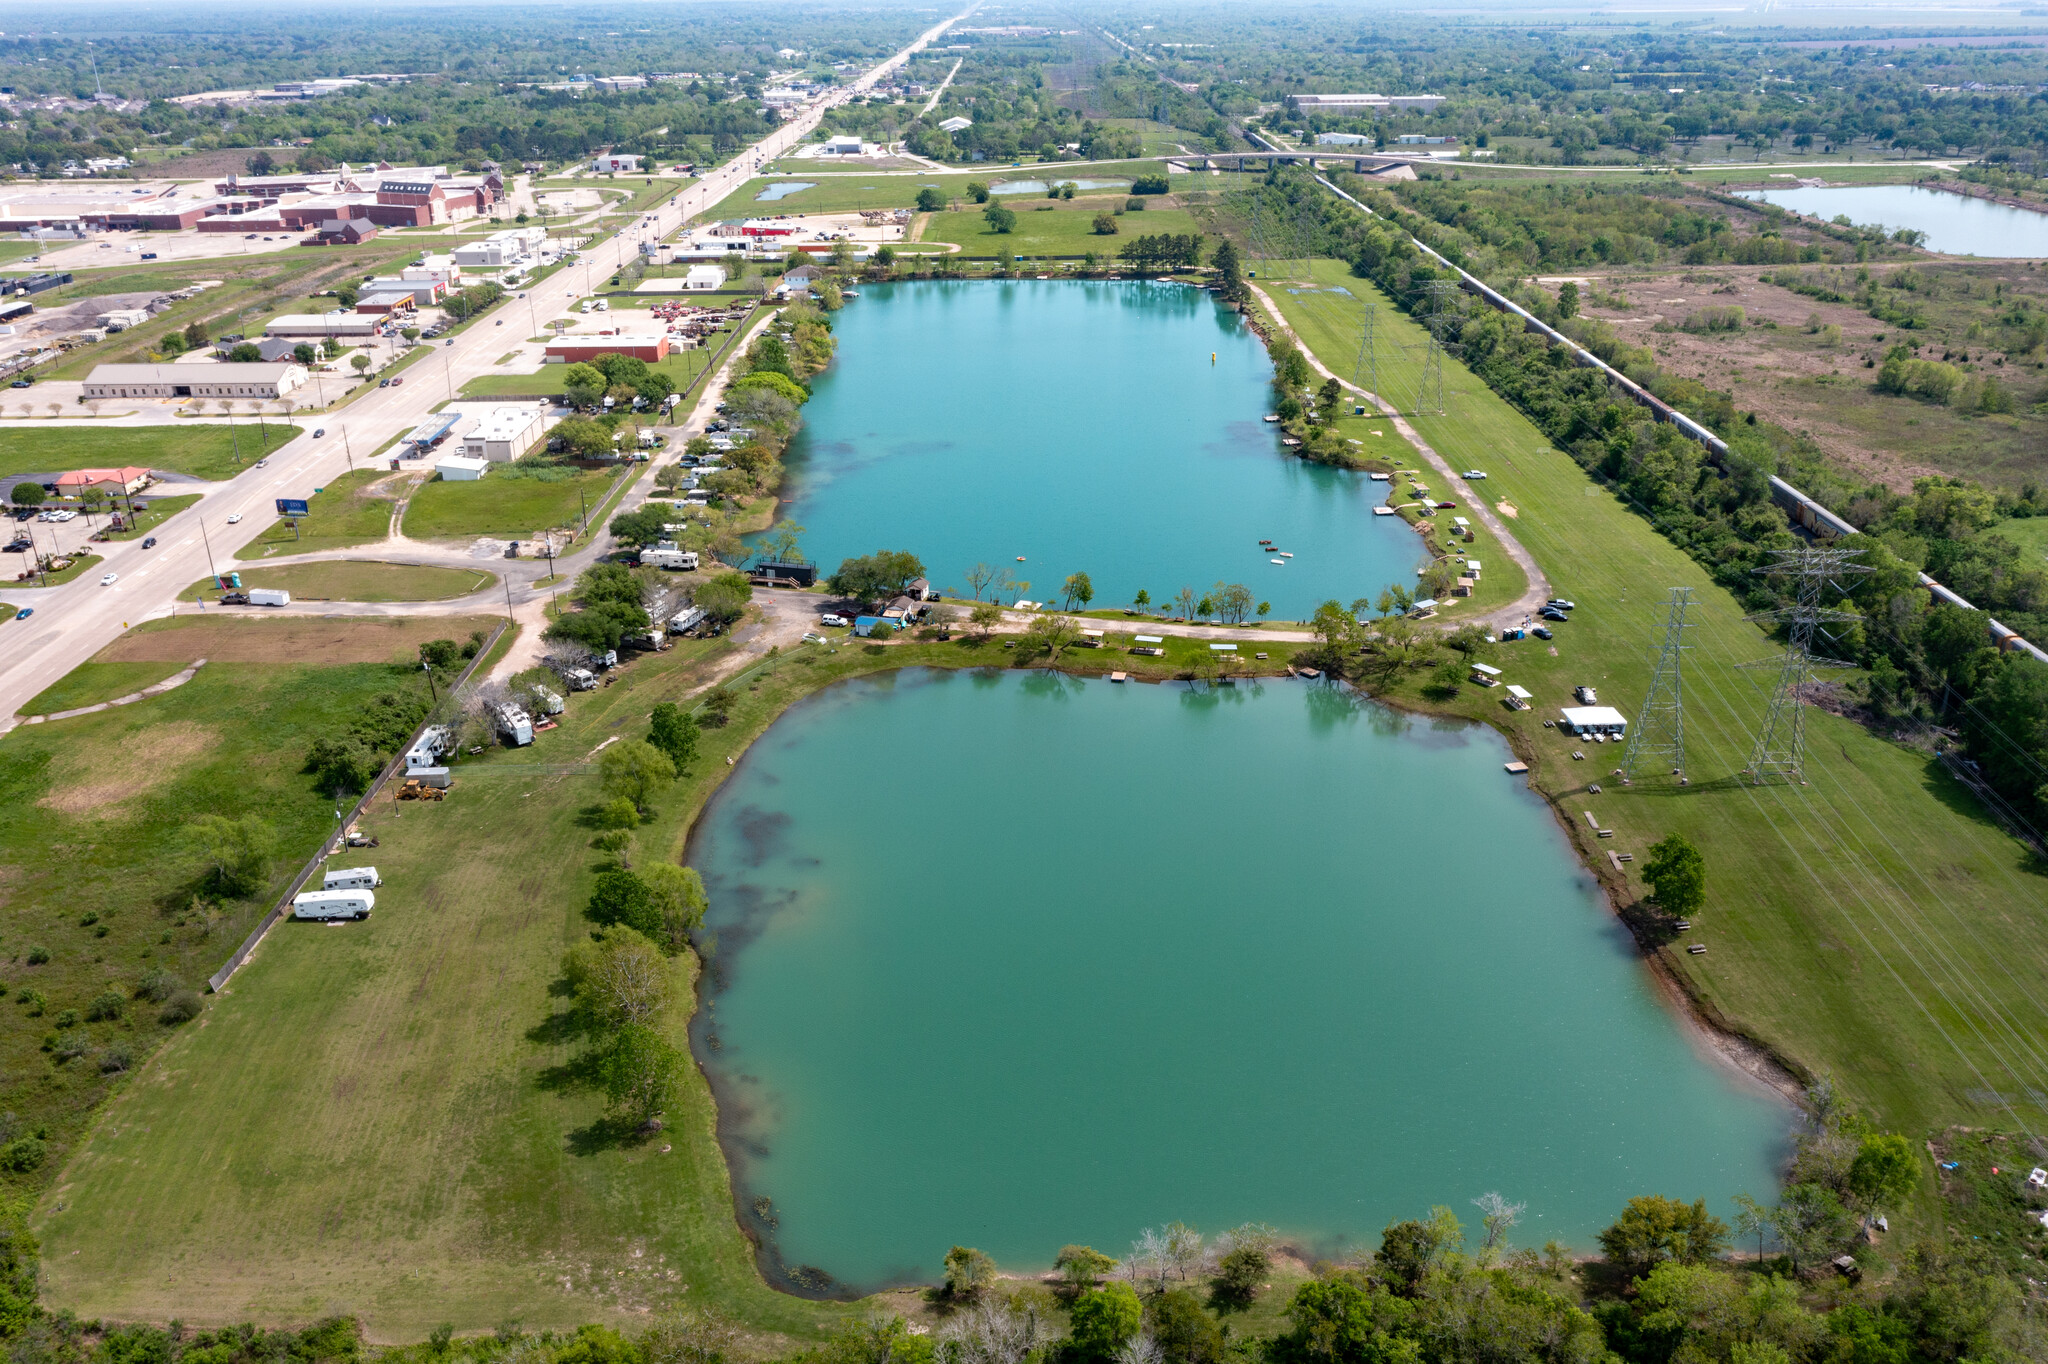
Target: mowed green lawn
x,y
681,366
352,510
496,505
95,873
209,450
1066,231
1874,924
843,193
356,580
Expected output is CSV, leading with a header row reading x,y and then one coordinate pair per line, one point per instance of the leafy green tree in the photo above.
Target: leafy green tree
x,y
1410,1249
1229,268
969,1272
616,815
635,770
584,384
877,576
195,335
1568,299
1104,225
1184,1330
1885,1171
675,733
620,897
27,493
678,897
1239,1274
931,199
977,192
1000,219
1335,1321
1652,1229
1677,875
642,527
640,1071
246,353
304,353
1104,1321
775,382
1078,591
1081,1266
342,763
724,598
237,852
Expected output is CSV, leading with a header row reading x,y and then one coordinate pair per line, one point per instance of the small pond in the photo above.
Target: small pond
x,y
1041,186
1109,427
1954,224
1011,959
782,189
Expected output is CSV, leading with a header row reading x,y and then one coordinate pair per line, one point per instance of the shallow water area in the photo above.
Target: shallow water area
x,y
782,189
1106,427
1041,186
1011,959
1955,224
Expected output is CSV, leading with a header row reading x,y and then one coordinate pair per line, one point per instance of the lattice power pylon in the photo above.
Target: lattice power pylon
x,y
1658,738
1365,371
1431,385
1780,749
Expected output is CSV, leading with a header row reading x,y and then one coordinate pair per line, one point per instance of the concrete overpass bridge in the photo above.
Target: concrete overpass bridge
x,y
1362,163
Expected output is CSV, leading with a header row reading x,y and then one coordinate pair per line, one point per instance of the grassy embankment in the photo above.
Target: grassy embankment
x,y
1875,923
207,450
497,505
153,513
80,565
95,876
355,580
354,509
681,366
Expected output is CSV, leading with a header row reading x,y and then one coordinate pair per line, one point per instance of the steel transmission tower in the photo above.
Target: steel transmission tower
x,y
1780,749
1365,372
1431,384
1659,733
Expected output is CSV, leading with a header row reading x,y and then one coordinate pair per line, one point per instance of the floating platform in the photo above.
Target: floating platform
x,y
1516,768
1119,677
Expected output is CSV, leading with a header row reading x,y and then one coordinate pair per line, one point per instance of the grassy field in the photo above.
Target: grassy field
x,y
681,366
96,877
356,580
157,511
91,683
206,450
501,506
2030,534
81,564
1054,232
844,193
351,510
1874,923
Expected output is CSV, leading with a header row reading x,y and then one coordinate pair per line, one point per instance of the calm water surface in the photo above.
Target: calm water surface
x,y
782,189
1014,960
1083,426
1040,186
1953,224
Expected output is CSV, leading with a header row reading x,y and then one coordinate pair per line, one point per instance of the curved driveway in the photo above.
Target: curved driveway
x,y
75,621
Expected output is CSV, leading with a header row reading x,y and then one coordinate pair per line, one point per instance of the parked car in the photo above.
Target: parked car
x,y
149,542
16,547
263,464
1542,632
108,580
1561,604
233,517
839,622
22,383
399,380
1472,473
383,383
1552,613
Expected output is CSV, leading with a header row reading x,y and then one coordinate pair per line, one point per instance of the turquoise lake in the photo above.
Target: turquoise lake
x,y
1013,960
1083,426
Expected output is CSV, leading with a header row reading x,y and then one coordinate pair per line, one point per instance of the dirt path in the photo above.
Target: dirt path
x,y
1538,592
177,679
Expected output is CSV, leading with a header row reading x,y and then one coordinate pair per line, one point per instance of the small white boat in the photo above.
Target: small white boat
x,y
1285,555
1272,416
1281,562
849,293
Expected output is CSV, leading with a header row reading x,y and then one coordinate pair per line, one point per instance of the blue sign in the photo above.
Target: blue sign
x,y
292,506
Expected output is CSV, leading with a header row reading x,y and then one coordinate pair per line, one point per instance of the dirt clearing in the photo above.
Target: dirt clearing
x,y
286,639
155,754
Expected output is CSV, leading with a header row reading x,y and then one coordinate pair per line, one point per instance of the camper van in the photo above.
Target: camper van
x,y
515,724
351,878
334,904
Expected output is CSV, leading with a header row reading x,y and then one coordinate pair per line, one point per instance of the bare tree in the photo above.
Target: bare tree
x,y
1185,1250
1251,1236
624,982
1185,598
691,1337
1148,1257
995,1333
1499,1216
981,577
1141,1349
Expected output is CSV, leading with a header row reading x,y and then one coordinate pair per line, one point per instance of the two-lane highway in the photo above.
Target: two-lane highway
x,y
73,622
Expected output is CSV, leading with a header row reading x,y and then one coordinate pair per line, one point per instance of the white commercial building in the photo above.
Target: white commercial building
x,y
195,381
843,146
441,270
505,434
704,277
500,249
460,468
358,326
1360,104
616,161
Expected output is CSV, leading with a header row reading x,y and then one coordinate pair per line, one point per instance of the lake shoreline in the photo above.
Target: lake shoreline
x,y
1707,1031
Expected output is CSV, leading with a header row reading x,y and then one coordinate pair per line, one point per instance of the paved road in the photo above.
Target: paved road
x,y
77,620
